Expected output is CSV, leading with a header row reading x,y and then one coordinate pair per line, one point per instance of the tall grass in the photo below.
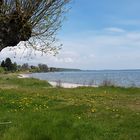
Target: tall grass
x,y
38,112
108,83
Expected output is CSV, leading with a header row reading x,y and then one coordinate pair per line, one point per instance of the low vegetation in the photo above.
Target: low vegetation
x,y
31,109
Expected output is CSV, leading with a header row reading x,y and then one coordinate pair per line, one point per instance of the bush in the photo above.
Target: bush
x,y
1,70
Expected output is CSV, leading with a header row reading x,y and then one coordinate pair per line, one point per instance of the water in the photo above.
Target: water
x,y
124,78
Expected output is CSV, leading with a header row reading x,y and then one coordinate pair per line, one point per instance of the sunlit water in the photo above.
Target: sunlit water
x,y
125,78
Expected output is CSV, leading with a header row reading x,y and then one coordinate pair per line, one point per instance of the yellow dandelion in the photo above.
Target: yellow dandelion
x,y
113,110
93,110
79,117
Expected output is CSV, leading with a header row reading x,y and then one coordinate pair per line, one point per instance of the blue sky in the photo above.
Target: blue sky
x,y
97,34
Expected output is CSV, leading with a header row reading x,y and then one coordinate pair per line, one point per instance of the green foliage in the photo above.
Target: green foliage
x,y
1,69
8,65
25,66
3,64
39,112
34,69
14,66
13,81
43,67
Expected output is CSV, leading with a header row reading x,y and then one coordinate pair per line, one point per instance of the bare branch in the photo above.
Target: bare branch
x,y
31,21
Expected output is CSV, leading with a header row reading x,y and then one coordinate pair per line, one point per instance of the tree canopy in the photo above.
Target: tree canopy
x,y
32,21
8,65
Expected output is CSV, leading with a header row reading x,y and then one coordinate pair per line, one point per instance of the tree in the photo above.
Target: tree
x,y
33,21
43,67
8,64
34,69
14,66
3,64
25,66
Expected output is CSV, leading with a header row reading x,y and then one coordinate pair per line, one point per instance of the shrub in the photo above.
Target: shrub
x,y
1,70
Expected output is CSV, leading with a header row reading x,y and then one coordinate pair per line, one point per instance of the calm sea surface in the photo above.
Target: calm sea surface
x,y
125,78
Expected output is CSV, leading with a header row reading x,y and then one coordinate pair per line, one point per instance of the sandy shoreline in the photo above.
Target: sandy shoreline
x,y
69,85
23,76
60,84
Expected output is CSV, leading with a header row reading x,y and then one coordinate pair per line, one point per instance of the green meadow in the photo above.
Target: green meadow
x,y
31,109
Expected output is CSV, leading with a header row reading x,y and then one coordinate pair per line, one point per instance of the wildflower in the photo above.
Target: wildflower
x,y
36,108
93,110
79,117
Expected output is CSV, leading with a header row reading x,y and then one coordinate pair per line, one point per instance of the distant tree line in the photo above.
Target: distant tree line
x,y
8,66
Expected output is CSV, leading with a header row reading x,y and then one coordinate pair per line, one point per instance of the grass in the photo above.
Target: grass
x,y
39,112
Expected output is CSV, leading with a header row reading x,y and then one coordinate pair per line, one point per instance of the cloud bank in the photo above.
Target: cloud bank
x,y
109,48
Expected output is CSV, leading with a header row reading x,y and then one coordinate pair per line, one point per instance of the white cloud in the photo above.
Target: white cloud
x,y
93,50
114,29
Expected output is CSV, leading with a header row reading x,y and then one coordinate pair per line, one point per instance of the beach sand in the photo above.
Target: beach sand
x,y
23,76
69,85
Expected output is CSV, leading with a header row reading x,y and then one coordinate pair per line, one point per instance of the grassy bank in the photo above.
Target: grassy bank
x,y
36,111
